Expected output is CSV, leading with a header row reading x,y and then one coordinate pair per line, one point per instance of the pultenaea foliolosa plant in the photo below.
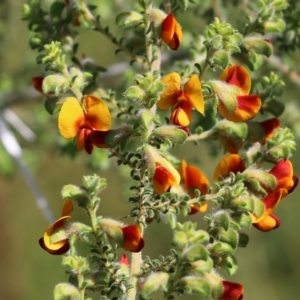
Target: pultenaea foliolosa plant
x,y
208,95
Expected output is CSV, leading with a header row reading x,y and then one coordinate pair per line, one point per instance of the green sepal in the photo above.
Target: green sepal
x,y
75,194
220,249
154,283
129,19
63,291
243,203
243,219
202,267
136,94
56,83
258,45
220,58
221,219
52,106
195,252
229,263
196,285
229,237
174,134
180,239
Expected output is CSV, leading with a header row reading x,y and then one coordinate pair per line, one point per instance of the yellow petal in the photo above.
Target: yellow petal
x,y
70,118
97,113
193,93
169,96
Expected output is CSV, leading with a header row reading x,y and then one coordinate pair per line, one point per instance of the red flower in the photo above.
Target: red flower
x,y
232,291
132,238
171,32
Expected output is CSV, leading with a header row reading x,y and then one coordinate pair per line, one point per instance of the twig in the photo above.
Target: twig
x,y
14,150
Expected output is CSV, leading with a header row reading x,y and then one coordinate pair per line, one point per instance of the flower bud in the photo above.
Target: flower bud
x,y
195,252
155,282
202,266
196,285
157,16
66,291
258,45
113,229
129,19
135,93
176,135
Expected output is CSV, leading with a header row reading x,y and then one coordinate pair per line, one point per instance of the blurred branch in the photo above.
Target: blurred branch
x,y
284,68
19,125
12,147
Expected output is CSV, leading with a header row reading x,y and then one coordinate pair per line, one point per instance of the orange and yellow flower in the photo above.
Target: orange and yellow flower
x,y
232,291
192,178
76,120
185,99
230,163
171,32
246,106
132,238
164,179
59,243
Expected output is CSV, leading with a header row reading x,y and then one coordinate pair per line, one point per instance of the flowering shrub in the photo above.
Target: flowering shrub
x,y
209,96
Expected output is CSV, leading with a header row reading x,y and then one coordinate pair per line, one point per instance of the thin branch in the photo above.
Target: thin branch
x,y
12,147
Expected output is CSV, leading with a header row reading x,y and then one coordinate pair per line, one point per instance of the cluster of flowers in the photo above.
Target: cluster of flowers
x,y
88,120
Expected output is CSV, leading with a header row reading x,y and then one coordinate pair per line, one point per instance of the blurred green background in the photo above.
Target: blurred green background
x,y
269,266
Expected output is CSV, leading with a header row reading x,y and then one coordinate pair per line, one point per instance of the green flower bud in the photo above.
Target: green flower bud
x,y
258,45
229,236
195,252
78,264
154,283
199,236
180,239
221,219
129,19
56,83
113,229
157,16
75,194
220,58
136,94
94,184
202,267
265,179
196,285
174,134
64,291
215,282
220,249
274,26
244,220
243,203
